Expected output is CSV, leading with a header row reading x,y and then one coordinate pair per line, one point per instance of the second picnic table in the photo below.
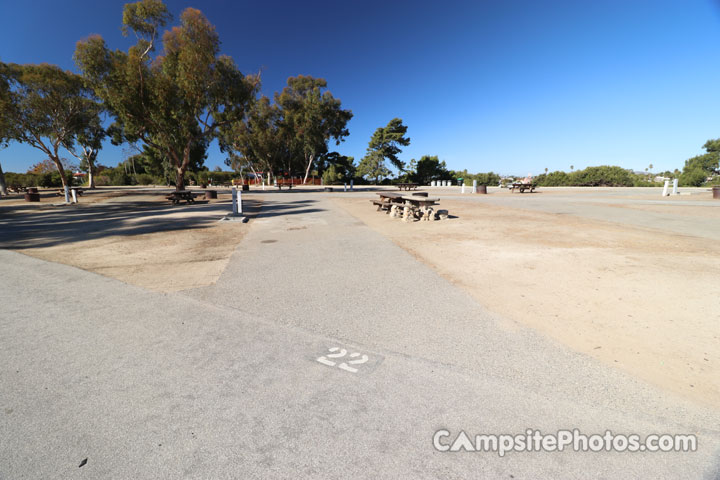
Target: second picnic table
x,y
179,195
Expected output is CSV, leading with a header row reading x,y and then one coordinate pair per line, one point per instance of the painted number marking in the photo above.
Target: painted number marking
x,y
337,352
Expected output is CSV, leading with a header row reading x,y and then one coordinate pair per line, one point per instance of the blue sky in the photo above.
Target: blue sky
x,y
513,86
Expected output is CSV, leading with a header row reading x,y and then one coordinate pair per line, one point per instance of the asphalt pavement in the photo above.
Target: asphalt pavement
x,y
323,351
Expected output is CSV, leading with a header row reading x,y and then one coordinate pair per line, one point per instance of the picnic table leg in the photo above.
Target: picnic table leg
x,y
407,214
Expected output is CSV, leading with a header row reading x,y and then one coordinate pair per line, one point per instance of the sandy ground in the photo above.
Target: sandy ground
x,y
162,261
641,300
159,247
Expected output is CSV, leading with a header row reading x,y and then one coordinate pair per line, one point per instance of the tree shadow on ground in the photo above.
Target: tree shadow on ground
x,y
297,207
32,227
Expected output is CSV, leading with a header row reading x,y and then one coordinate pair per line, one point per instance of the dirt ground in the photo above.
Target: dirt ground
x,y
162,261
175,247
641,300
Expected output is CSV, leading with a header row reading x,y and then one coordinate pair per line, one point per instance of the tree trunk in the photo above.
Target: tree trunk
x,y
180,178
91,174
3,186
61,169
307,170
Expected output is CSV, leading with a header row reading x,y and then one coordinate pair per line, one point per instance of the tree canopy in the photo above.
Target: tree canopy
x,y
289,135
384,144
698,168
44,107
311,117
170,101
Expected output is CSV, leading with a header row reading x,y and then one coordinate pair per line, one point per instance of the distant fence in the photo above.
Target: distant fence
x,y
279,180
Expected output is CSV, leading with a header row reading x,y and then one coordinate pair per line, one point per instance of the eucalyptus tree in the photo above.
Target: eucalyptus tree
x,y
44,107
4,122
90,135
311,116
260,142
170,101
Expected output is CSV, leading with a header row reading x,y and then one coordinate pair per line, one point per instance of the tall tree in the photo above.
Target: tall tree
x,y
171,101
431,168
45,108
313,116
384,144
4,121
260,142
89,139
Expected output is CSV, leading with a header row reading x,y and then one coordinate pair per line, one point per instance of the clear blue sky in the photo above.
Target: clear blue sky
x,y
512,86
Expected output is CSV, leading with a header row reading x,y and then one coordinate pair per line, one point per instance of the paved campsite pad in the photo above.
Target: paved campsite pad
x,y
227,383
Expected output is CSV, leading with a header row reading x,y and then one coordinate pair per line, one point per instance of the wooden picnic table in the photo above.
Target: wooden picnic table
x,y
387,199
523,186
406,206
407,186
420,201
181,195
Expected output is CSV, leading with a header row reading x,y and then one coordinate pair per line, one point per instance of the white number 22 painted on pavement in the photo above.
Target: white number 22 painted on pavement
x,y
337,352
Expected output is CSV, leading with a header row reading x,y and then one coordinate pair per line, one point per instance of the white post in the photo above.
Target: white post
x,y
675,185
345,187
263,183
74,195
352,184
462,189
67,195
665,188
474,190
239,202
234,200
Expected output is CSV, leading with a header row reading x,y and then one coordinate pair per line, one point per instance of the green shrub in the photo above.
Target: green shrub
x,y
553,179
694,177
145,179
102,180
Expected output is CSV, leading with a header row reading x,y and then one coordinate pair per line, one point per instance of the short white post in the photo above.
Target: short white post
x,y
234,200
67,195
239,202
352,184
474,190
665,188
462,189
675,185
345,187
263,184
74,195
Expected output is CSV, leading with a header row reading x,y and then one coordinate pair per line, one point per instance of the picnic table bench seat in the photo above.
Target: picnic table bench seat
x,y
78,190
